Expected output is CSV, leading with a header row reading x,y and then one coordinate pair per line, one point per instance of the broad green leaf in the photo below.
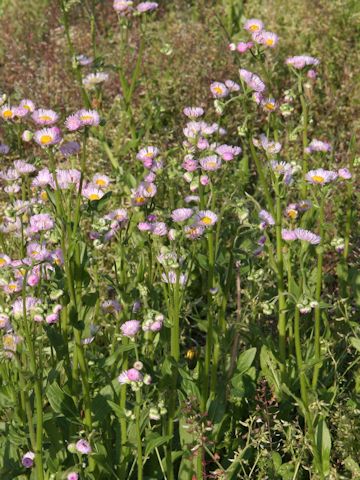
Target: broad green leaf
x,y
61,402
154,440
245,360
323,443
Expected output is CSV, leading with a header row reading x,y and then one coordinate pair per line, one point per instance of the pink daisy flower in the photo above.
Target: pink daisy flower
x,y
219,90
253,25
45,117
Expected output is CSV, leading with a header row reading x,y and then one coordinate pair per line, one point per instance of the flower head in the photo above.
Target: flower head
x,y
193,112
147,6
84,60
130,328
130,376
27,104
300,234
219,90
101,180
318,146
88,118
47,136
28,459
228,152
206,218
92,192
181,214
83,446
269,39
243,47
269,146
70,148
253,25
266,217
301,61
45,117
344,173
232,86
252,81
94,79
23,168
320,176
72,476
41,222
210,163
7,112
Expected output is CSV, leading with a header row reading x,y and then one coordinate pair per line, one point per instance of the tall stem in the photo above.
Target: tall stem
x,y
210,320
138,436
174,313
280,278
305,123
299,360
37,391
320,256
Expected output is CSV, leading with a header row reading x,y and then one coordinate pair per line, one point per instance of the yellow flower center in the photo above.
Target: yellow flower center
x,y
44,196
149,154
206,220
270,106
94,196
7,113
100,182
45,118
318,179
254,27
2,262
34,252
211,164
85,118
26,107
292,214
12,286
45,139
139,199
218,90
9,343
269,42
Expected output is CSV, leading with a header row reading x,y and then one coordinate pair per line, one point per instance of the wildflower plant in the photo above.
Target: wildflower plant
x,y
169,313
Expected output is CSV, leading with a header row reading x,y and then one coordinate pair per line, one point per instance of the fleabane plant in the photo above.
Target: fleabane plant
x,y
169,314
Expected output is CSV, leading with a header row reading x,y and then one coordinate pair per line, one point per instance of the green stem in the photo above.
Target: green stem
x,y
280,279
138,435
320,256
210,320
299,360
37,391
305,123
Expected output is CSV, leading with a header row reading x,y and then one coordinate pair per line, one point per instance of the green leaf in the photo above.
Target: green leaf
x,y
154,440
323,444
277,461
271,369
60,401
119,412
355,342
245,361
